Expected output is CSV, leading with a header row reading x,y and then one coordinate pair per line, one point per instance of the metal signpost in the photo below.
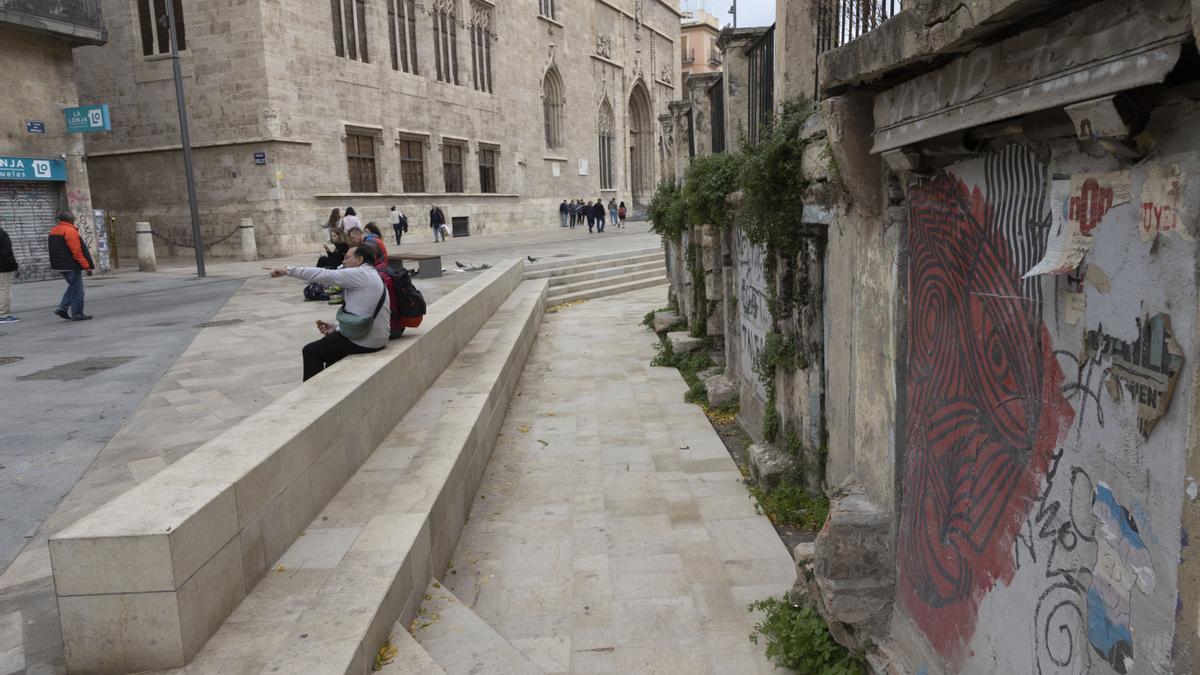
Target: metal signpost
x,y
185,139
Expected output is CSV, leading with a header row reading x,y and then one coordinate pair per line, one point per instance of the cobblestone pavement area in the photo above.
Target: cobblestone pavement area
x,y
241,358
611,532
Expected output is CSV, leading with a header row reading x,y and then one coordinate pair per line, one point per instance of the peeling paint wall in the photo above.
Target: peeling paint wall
x,y
1047,417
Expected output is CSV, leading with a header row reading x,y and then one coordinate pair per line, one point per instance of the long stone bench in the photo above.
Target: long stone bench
x,y
145,580
329,603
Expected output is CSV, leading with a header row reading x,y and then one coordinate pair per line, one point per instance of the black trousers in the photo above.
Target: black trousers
x,y
327,351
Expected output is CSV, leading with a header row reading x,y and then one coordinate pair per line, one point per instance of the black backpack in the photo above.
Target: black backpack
x,y
409,301
315,291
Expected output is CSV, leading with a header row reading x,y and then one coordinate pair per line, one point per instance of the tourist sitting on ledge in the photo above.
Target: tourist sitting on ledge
x,y
362,322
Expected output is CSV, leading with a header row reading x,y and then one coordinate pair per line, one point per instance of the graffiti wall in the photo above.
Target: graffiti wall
x,y
1049,317
754,317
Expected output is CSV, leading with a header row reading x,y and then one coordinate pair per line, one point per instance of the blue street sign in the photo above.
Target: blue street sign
x,y
87,119
35,127
32,168
260,158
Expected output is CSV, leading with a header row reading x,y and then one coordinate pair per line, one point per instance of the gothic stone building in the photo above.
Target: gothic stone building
x,y
495,111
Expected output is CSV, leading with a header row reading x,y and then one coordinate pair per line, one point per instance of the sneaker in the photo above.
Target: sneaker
x,y
81,317
9,319
62,314
337,301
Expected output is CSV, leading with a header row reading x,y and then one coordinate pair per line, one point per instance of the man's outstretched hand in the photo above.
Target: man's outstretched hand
x,y
276,271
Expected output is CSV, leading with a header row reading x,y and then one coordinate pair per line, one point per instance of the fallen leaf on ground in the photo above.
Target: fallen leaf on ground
x,y
524,428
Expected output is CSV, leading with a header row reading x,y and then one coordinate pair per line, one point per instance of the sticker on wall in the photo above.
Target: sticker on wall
x,y
1160,202
1147,369
583,167
555,170
1077,207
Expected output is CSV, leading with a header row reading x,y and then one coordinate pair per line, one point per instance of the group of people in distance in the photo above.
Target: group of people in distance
x,y
578,212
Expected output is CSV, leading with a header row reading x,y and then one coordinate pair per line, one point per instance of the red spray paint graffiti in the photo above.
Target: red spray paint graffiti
x,y
984,410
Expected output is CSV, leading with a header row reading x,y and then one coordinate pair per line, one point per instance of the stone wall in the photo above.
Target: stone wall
x,y
264,77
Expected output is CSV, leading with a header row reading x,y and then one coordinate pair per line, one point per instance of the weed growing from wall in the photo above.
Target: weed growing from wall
x,y
798,638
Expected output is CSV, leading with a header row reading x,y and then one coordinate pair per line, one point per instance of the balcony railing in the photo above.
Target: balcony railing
x,y
840,21
714,57
77,20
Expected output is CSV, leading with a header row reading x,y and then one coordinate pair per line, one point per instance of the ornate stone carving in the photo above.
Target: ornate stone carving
x,y
668,74
481,16
604,46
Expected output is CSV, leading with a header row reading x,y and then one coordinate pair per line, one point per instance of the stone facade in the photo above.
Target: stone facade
x,y
264,77
698,40
39,77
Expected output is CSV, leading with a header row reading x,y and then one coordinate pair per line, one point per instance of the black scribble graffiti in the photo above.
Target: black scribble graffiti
x,y
1082,391
1054,540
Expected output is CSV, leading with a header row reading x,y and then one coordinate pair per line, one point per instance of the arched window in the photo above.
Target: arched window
x,y
607,138
552,107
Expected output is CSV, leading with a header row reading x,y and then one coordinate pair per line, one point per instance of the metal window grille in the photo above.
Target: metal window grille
x,y
156,35
761,85
552,108
452,167
412,165
360,158
487,170
840,21
547,9
402,22
716,97
350,29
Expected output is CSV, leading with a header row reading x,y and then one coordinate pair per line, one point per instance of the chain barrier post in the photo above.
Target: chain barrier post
x,y
249,245
145,248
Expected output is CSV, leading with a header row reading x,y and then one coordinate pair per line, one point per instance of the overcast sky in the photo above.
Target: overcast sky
x,y
750,12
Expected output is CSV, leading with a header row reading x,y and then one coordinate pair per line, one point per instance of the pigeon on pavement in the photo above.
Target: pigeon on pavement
x,y
531,258
460,265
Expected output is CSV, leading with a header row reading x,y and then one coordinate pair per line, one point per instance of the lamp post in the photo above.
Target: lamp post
x,y
185,140
733,11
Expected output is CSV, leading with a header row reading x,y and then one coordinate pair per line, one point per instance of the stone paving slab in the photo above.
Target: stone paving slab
x,y
612,532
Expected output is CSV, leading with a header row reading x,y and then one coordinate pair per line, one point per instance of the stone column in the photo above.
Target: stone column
x,y
145,248
733,43
249,246
697,92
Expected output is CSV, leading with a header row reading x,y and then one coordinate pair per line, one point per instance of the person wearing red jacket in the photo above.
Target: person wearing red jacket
x,y
70,256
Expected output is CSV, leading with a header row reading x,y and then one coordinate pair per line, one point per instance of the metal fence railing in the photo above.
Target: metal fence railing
x,y
85,13
841,21
716,97
761,84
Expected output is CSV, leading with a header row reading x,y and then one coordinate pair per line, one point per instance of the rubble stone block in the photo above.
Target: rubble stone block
x,y
768,464
664,319
683,343
855,566
721,390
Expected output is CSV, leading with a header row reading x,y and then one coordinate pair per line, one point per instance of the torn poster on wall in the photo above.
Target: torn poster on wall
x,y
1077,206
1160,202
1148,368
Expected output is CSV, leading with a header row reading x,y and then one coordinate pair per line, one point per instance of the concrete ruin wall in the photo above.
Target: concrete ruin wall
x,y
1047,418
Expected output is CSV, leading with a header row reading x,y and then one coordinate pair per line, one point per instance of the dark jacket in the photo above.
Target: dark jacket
x,y
436,217
8,261
67,251
563,208
598,210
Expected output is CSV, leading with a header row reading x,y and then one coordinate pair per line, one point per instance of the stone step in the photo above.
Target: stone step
x,y
328,604
462,642
574,265
567,289
143,581
410,657
605,291
658,264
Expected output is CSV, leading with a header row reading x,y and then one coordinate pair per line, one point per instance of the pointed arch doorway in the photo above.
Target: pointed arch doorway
x,y
641,147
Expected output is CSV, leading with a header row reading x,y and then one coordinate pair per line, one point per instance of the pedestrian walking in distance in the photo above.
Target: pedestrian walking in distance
x,y
399,223
598,209
69,256
364,321
350,220
562,213
8,269
621,214
612,212
437,220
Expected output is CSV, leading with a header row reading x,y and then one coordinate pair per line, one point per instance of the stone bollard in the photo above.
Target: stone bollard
x,y
249,247
145,248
